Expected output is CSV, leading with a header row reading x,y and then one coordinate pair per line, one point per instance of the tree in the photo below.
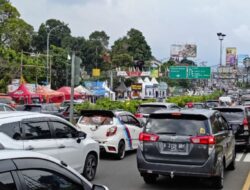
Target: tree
x,y
188,62
15,32
100,36
137,45
57,34
60,67
122,60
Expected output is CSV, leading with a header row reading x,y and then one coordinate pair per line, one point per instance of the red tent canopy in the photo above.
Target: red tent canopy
x,y
66,90
51,96
23,96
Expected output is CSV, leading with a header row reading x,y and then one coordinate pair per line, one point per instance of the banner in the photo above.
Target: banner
x,y
154,73
136,87
231,55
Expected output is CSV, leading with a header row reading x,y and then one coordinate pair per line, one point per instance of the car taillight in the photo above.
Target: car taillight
x,y
209,140
148,137
138,115
245,124
111,131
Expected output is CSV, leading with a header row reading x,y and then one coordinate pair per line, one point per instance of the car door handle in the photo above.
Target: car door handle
x,y
61,146
30,148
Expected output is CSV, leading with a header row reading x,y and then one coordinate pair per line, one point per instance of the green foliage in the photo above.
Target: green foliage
x,y
100,36
182,100
107,104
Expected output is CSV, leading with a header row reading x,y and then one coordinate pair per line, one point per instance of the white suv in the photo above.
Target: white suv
x,y
50,135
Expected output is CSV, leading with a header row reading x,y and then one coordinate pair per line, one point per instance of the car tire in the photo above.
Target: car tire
x,y
218,181
149,178
121,150
231,166
90,167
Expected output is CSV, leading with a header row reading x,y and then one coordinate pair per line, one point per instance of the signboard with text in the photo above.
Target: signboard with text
x,y
189,72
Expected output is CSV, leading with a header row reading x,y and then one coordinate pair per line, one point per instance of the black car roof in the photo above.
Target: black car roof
x,y
205,112
111,113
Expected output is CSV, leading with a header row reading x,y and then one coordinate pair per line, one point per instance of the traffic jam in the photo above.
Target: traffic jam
x,y
45,151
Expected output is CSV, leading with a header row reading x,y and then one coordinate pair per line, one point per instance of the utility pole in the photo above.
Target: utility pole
x,y
72,87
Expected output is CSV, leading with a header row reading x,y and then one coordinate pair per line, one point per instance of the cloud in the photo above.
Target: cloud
x,y
163,22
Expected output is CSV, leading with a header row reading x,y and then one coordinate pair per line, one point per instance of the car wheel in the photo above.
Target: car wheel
x,y
218,181
231,166
150,178
121,150
90,167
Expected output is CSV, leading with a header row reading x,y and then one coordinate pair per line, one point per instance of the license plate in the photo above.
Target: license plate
x,y
174,147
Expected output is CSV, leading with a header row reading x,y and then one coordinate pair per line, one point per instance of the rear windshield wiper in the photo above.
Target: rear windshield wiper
x,y
166,133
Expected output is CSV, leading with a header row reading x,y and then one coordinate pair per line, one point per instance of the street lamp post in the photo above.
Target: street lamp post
x,y
221,38
47,65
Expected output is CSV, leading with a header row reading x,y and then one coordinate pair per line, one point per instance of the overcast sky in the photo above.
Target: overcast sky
x,y
163,22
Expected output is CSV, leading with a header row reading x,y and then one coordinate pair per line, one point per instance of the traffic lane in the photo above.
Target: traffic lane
x,y
123,175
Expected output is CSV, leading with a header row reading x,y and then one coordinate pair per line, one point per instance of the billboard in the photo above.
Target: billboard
x,y
231,56
96,72
186,50
136,87
241,58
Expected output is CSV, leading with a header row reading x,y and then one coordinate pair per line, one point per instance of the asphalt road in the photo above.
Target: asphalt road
x,y
123,175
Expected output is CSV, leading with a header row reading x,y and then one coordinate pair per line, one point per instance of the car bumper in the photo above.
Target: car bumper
x,y
109,147
206,170
242,139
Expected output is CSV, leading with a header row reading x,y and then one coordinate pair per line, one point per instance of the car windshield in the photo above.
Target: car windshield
x,y
212,104
147,109
96,120
232,114
183,125
198,106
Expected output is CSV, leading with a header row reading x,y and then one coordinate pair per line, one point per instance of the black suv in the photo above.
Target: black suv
x,y
239,120
196,143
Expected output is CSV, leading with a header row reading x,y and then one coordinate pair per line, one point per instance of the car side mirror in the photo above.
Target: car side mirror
x,y
80,136
99,187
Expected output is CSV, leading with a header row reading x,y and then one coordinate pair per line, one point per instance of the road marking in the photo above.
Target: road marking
x,y
247,183
239,156
247,158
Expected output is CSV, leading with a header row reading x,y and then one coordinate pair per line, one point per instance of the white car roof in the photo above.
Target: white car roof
x,y
10,116
16,154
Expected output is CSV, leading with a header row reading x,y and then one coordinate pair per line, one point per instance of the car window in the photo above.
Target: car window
x,y
96,120
48,180
2,108
216,126
8,108
133,121
63,130
187,125
12,130
37,130
7,182
147,109
232,114
223,123
124,119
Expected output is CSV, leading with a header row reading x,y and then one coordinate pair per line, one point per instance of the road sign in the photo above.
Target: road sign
x,y
178,72
199,73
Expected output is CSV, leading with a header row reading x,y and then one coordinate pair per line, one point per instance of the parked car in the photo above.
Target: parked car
x,y
196,105
65,113
5,107
196,143
50,135
5,99
239,119
42,108
30,170
212,103
116,131
145,109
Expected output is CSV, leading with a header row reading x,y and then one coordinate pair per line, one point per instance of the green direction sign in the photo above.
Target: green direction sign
x,y
199,73
178,72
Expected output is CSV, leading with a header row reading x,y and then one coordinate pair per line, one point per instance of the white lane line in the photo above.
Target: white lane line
x,y
247,158
239,156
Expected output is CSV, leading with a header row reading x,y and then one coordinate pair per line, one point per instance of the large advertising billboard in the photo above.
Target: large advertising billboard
x,y
186,50
231,56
